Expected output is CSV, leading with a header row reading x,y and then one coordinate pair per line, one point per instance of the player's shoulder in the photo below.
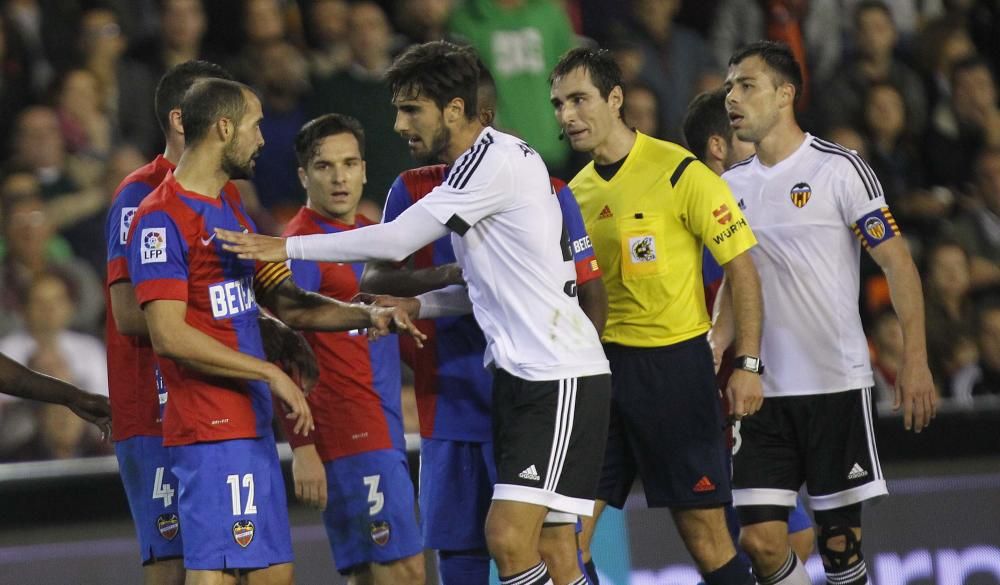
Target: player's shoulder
x,y
141,181
301,224
831,153
422,180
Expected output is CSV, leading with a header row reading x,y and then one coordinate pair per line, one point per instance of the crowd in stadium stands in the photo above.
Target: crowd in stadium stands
x,y
910,84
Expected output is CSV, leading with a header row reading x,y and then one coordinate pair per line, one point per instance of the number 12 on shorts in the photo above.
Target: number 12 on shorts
x,y
234,490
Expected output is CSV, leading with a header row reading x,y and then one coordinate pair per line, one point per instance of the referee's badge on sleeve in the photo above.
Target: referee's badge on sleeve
x,y
876,227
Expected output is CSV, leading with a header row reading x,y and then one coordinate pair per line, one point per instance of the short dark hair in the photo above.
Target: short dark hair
x,y
312,132
439,70
207,101
175,83
604,71
778,56
706,117
968,64
866,5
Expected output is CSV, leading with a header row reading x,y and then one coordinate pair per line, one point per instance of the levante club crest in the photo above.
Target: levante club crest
x,y
800,194
243,532
168,525
380,532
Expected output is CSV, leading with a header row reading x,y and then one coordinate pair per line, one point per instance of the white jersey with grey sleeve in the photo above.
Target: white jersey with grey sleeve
x,y
812,213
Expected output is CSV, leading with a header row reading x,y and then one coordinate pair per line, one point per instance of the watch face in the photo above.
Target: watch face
x,y
752,363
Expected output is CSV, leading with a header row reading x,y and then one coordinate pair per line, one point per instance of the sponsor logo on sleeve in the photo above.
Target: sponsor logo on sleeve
x,y
243,532
723,215
126,222
800,194
581,244
232,297
154,245
727,233
642,248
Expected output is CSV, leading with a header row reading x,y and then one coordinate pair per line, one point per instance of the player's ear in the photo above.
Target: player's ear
x,y
717,147
787,93
176,121
454,110
302,177
225,128
616,99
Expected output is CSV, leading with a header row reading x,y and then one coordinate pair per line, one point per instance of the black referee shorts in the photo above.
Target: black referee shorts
x,y
667,426
548,438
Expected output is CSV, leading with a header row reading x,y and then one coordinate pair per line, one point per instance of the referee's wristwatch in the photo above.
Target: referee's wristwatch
x,y
750,363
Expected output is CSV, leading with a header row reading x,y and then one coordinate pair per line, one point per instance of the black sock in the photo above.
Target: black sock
x,y
590,569
735,572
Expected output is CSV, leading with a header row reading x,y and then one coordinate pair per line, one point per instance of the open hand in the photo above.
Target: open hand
x,y
93,408
915,392
389,319
253,246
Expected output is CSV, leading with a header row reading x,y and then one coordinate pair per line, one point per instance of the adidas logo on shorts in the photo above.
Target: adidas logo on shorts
x,y
857,472
529,473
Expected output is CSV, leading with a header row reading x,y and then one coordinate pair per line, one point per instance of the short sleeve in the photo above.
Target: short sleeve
x,y
157,259
477,186
711,211
306,274
584,258
117,226
862,203
397,201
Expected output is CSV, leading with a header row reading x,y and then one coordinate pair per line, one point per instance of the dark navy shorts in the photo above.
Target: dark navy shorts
x,y
667,427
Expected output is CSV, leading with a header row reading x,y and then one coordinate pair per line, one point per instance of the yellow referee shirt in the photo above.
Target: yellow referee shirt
x,y
648,225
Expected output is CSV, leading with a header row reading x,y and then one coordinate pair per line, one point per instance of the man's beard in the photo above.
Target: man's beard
x,y
437,147
234,169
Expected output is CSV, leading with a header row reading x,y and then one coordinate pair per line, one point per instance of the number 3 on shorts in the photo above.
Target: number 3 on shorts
x,y
375,497
162,490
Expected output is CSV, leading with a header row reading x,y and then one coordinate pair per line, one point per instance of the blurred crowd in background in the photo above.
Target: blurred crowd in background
x,y
909,84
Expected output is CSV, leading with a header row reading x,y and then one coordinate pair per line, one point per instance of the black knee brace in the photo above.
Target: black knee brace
x,y
834,523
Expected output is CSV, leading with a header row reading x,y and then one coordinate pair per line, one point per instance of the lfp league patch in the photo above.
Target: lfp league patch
x,y
876,227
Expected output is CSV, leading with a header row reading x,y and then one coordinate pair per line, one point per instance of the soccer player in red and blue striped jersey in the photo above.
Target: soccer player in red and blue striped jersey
x,y
354,465
200,306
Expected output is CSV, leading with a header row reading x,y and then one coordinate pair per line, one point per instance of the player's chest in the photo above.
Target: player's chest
x,y
788,203
340,280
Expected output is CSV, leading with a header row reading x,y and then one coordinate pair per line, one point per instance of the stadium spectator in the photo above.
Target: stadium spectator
x,y
66,181
908,16
808,27
281,76
425,20
978,228
46,345
359,92
874,61
520,41
887,343
950,151
183,25
328,30
979,380
676,62
125,85
642,109
85,127
15,78
29,251
950,312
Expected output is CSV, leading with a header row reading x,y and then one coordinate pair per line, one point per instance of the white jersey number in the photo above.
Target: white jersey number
x,y
162,490
234,489
375,497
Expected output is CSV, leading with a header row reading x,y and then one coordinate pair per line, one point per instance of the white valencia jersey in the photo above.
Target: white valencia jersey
x,y
508,236
812,213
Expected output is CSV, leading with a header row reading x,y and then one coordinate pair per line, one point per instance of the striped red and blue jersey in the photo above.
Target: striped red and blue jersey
x,y
453,390
356,401
173,255
135,404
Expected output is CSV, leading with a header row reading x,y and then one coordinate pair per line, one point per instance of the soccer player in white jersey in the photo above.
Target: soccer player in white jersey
x,y
813,205
551,390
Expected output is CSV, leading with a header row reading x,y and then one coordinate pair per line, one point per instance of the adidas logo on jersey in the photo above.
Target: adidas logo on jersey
x,y
857,472
529,473
606,213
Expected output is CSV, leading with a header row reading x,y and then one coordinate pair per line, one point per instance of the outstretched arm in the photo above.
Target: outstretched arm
x,y
386,278
395,241
22,382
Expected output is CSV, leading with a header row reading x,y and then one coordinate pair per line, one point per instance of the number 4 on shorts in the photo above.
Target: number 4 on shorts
x,y
162,490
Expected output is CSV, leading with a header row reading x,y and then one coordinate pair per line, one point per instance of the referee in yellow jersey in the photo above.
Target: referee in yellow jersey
x,y
650,208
